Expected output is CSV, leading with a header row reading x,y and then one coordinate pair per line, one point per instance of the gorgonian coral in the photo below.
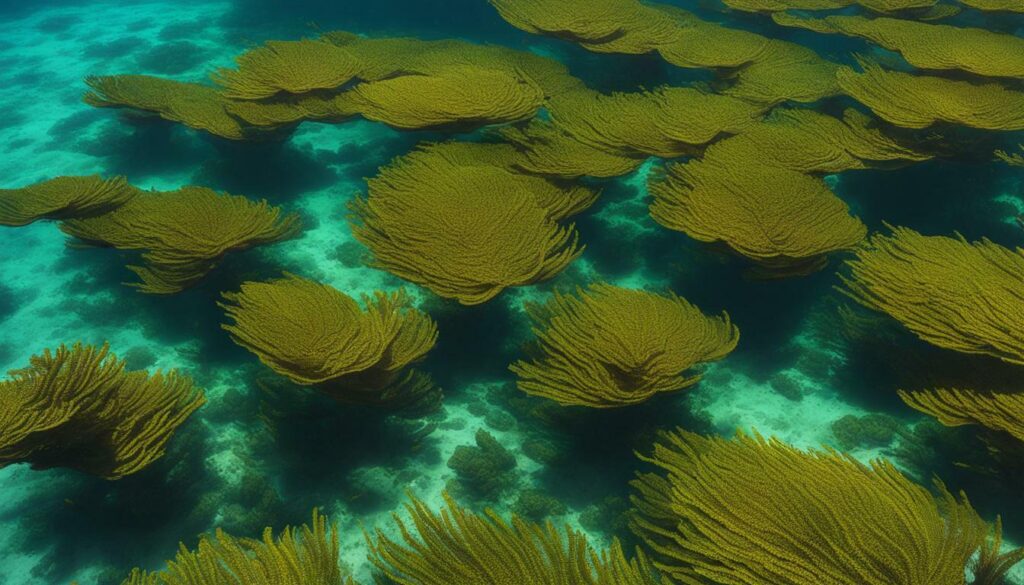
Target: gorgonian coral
x,y
766,70
954,407
461,95
308,555
63,198
607,26
314,334
918,101
996,5
777,6
974,291
449,219
183,234
77,407
196,106
545,149
1013,159
404,82
607,346
666,122
812,142
762,70
751,510
457,546
926,45
784,220
292,67
382,58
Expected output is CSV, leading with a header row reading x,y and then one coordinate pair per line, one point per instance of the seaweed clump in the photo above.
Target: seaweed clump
x,y
609,347
457,546
315,335
63,198
786,221
995,5
762,194
931,46
309,555
974,290
919,101
78,408
753,510
484,471
183,234
757,68
289,67
1013,159
406,83
197,106
975,307
456,219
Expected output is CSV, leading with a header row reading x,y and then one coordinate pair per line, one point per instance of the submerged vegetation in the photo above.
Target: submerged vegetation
x,y
77,407
608,346
522,248
183,234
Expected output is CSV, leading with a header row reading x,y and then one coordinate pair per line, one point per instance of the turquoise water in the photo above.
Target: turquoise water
x,y
248,459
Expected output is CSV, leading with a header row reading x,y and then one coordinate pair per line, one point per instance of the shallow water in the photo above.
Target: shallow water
x,y
232,465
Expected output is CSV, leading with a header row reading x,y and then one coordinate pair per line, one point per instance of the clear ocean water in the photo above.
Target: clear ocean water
x,y
264,452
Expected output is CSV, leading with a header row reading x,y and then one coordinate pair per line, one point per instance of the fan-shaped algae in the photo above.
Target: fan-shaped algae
x,y
954,407
918,101
196,106
784,220
996,5
309,555
812,142
751,510
314,334
457,546
63,198
183,234
547,150
974,291
915,7
608,347
928,46
463,95
450,219
607,26
293,67
667,122
77,407
1013,159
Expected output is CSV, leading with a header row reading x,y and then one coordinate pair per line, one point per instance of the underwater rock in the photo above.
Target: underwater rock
x,y
484,471
869,431
536,505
